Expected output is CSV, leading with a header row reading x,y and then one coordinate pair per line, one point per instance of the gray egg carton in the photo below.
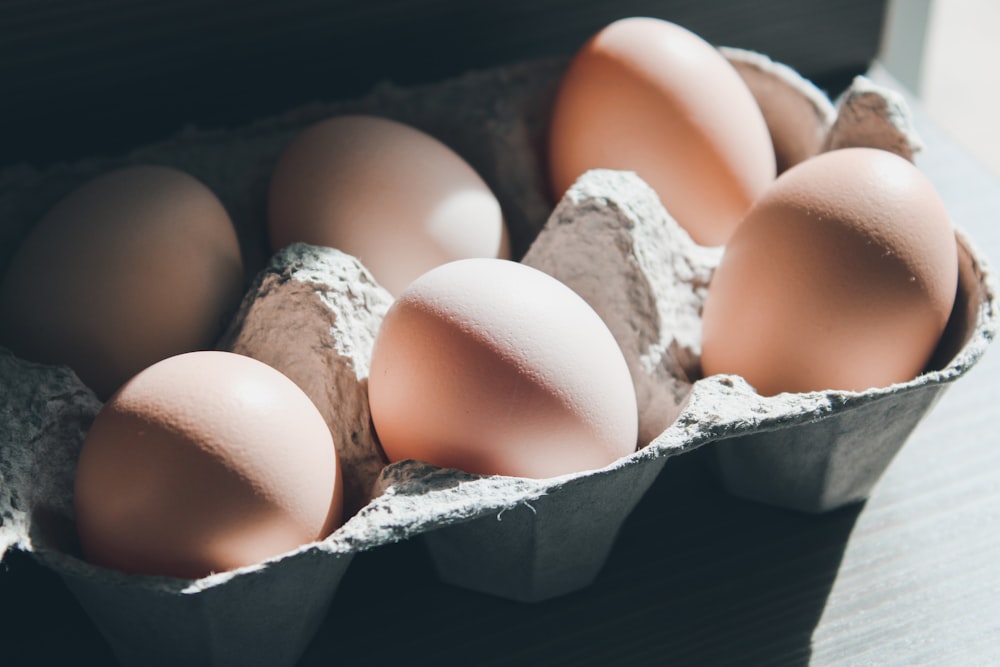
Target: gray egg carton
x,y
313,313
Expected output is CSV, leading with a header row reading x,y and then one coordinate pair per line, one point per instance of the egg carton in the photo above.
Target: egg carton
x,y
313,313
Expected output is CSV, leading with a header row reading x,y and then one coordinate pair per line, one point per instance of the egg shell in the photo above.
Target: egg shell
x,y
649,96
508,529
135,265
493,367
841,276
205,462
391,195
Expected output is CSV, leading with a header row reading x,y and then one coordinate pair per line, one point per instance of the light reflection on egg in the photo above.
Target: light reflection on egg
x,y
648,96
205,462
494,367
387,193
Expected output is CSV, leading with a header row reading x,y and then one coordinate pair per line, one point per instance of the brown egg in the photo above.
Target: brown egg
x,y
648,96
493,367
842,276
205,462
140,264
394,197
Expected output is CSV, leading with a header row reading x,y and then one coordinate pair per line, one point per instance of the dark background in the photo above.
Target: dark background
x,y
96,78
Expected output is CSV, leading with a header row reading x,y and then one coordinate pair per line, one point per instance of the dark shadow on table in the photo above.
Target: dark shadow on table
x,y
41,623
697,578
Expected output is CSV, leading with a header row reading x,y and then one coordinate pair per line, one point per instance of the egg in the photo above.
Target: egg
x,y
137,265
205,462
842,276
493,367
648,96
387,193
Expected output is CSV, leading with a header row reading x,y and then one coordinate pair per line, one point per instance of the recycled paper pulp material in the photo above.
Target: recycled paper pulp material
x,y
546,547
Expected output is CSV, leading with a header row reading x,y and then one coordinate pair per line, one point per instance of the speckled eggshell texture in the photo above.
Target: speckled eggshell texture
x,y
205,462
494,367
841,276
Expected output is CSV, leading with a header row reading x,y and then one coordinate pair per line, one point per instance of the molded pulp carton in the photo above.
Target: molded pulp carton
x,y
313,313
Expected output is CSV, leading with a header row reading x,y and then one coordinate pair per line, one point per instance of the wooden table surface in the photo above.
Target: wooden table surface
x,y
912,577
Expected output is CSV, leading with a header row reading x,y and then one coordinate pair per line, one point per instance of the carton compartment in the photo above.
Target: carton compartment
x,y
610,238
